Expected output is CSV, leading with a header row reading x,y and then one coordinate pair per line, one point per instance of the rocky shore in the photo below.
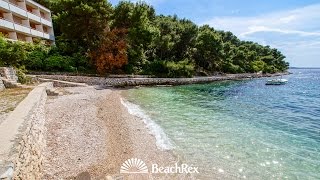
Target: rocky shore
x,y
141,81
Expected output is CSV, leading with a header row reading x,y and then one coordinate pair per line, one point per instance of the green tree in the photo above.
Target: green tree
x,y
209,54
137,19
82,21
177,38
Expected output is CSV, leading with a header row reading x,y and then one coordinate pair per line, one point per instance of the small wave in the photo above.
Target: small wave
x,y
162,140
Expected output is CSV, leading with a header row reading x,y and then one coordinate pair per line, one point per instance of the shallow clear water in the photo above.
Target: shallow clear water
x,y
241,129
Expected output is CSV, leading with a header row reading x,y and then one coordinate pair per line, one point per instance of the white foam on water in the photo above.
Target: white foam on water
x,y
162,140
275,162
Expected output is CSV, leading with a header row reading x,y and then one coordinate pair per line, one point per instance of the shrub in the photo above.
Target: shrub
x,y
59,63
40,57
21,73
257,66
36,58
156,67
180,69
81,62
13,53
270,69
171,69
231,68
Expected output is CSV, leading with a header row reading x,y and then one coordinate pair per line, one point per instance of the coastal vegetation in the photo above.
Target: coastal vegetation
x,y
94,36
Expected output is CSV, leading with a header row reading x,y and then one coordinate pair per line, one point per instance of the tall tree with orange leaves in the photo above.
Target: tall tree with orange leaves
x,y
111,54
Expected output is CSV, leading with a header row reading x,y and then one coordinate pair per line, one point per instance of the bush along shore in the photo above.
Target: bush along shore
x,y
145,81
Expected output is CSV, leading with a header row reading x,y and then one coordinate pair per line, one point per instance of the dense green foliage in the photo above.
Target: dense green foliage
x,y
81,22
34,57
158,45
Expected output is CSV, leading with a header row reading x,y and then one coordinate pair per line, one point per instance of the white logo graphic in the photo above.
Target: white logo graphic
x,y
134,166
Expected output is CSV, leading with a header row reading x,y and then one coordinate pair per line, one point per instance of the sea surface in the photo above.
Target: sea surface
x,y
238,129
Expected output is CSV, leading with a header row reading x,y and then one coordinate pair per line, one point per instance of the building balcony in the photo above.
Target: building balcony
x,y
6,24
46,22
48,36
25,30
52,38
4,5
24,13
17,10
38,5
22,29
25,19
36,33
34,17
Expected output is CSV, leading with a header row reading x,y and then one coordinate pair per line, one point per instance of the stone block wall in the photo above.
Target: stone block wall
x,y
77,79
9,73
22,137
29,163
1,84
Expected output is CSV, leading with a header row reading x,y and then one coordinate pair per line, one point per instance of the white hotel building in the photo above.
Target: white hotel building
x,y
25,20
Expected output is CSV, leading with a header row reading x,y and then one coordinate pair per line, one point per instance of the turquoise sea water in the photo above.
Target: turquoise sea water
x,y
239,129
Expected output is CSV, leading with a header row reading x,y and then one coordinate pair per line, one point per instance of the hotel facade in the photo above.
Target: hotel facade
x,y
25,20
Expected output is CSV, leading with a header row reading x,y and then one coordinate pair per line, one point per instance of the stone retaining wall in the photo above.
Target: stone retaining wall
x,y
29,162
121,82
78,79
8,73
58,83
22,137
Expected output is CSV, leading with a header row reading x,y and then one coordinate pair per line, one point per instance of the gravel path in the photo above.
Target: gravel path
x,y
75,137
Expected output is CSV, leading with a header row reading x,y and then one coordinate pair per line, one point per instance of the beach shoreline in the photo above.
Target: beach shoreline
x,y
147,81
99,139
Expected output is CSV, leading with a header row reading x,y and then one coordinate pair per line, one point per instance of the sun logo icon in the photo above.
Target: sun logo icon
x,y
134,166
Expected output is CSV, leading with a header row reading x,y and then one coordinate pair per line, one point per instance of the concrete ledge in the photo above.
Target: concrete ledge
x,y
75,79
58,83
22,141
